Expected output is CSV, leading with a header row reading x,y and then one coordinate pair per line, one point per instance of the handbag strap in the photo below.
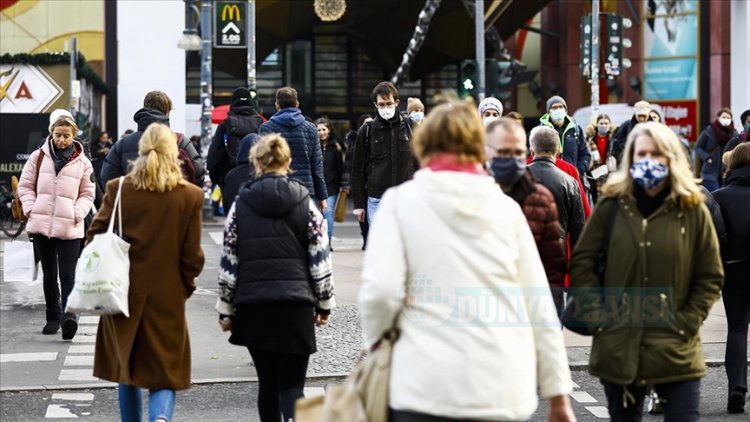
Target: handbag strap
x,y
118,209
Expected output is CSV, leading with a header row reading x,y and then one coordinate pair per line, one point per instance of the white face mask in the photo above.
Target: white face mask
x,y
387,113
557,114
417,116
487,120
725,121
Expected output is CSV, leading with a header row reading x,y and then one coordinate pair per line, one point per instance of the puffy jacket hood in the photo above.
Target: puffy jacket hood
x,y
273,196
290,117
739,176
462,200
146,116
243,153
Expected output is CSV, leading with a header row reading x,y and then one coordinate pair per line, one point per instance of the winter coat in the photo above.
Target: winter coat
x,y
57,203
469,274
218,161
662,276
567,196
97,156
151,348
307,157
333,166
734,200
573,146
119,160
592,135
620,137
538,206
238,176
710,151
272,216
715,210
383,157
346,173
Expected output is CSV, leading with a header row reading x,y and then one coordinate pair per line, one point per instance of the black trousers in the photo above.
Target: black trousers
x,y
736,296
57,255
281,381
681,401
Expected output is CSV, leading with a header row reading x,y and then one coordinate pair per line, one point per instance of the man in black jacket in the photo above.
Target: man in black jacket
x,y
240,175
545,144
642,110
383,155
156,108
241,120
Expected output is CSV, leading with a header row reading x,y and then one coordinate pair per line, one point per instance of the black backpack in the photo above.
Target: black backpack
x,y
237,127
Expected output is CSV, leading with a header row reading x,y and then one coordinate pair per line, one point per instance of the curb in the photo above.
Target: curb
x,y
583,365
206,381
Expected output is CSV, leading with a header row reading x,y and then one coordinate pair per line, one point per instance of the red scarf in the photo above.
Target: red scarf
x,y
449,162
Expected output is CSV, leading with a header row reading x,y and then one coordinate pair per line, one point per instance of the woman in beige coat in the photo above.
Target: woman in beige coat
x,y
162,222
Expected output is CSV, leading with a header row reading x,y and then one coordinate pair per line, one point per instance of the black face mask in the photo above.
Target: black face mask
x,y
508,170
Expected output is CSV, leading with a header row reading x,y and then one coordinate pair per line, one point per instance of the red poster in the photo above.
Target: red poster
x,y
681,117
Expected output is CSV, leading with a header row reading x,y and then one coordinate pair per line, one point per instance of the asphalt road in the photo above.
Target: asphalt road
x,y
238,401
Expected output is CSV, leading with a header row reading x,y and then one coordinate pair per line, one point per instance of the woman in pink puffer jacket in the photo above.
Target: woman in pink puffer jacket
x,y
56,202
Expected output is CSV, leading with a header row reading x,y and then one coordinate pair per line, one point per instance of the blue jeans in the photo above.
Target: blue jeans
x,y
160,404
372,206
681,401
328,214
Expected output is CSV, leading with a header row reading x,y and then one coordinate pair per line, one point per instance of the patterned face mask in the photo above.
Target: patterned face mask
x,y
648,173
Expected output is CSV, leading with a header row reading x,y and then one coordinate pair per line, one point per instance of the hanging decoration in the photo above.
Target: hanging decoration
x,y
417,39
329,10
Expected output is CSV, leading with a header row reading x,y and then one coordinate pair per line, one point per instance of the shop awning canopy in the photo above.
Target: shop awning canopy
x,y
383,28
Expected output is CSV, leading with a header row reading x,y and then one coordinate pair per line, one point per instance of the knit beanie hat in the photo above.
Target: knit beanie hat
x,y
556,99
241,97
412,104
56,114
491,103
642,108
744,115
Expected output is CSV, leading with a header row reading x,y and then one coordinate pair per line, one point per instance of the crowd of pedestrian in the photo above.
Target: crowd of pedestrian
x,y
454,199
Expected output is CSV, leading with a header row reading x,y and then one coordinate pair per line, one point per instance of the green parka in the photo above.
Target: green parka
x,y
662,276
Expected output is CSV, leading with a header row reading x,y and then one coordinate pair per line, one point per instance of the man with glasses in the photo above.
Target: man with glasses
x,y
382,155
506,149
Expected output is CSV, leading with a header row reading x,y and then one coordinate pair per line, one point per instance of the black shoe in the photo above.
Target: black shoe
x,y
736,402
69,327
51,327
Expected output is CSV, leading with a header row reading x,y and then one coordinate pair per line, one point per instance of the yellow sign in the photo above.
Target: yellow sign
x,y
231,12
229,30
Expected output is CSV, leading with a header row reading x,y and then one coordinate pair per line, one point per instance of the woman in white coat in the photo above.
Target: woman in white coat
x,y
479,331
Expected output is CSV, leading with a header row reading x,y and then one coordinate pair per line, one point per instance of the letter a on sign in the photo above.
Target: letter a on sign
x,y
23,92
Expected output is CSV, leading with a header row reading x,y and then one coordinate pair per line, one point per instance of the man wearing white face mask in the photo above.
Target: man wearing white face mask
x,y
573,145
711,145
383,155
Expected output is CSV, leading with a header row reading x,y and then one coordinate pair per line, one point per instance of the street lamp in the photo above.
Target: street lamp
x,y
190,40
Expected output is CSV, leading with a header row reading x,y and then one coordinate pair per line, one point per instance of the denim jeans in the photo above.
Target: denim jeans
x,y
160,404
372,206
681,401
328,214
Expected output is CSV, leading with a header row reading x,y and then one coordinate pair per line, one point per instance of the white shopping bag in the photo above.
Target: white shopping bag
x,y
103,272
18,261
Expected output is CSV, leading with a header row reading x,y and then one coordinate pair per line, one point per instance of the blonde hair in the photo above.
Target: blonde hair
x,y
157,167
453,127
64,121
271,154
684,190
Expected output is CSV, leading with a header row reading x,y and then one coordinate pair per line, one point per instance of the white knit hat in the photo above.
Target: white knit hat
x,y
57,114
491,102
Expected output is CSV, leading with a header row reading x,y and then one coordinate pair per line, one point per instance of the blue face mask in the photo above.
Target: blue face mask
x,y
557,114
507,171
649,173
417,116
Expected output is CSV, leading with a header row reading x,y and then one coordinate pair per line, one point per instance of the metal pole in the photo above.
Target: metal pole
x,y
479,41
206,82
73,74
594,81
250,44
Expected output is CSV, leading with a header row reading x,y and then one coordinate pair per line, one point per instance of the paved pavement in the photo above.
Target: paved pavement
x,y
31,362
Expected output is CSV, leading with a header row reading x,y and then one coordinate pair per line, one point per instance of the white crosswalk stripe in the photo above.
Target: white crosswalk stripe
x,y
28,357
65,410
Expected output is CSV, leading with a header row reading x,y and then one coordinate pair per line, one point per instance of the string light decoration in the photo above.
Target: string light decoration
x,y
417,39
329,10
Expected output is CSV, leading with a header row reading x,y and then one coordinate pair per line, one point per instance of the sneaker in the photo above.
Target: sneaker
x,y
736,402
69,328
51,327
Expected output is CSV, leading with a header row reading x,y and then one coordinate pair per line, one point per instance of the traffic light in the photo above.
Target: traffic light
x,y
585,46
468,79
614,44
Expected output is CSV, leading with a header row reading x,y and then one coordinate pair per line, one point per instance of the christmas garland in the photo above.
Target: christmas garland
x,y
84,70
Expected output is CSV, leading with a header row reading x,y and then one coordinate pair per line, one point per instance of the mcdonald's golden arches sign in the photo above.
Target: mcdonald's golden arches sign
x,y
229,28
